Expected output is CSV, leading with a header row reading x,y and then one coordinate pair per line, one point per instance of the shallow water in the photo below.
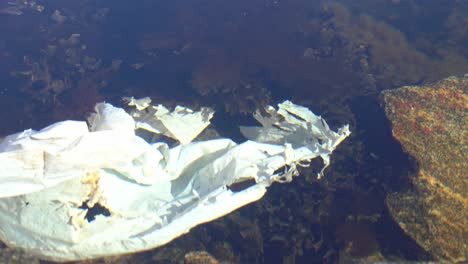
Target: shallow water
x,y
236,56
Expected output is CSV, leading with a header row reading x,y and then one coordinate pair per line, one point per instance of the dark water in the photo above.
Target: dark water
x,y
334,57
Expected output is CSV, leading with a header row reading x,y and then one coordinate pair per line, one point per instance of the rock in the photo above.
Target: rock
x,y
200,257
430,122
15,256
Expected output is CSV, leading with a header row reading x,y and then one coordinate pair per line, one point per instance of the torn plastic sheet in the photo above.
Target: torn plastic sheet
x,y
158,119
149,193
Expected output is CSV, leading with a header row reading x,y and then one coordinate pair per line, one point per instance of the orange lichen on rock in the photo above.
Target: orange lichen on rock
x,y
430,122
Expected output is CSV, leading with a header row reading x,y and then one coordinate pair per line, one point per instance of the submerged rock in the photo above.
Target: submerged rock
x,y
200,257
16,256
430,122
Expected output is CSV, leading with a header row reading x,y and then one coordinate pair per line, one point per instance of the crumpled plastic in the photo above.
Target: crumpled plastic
x,y
74,191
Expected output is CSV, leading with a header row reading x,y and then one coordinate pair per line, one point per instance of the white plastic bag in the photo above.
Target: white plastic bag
x,y
146,194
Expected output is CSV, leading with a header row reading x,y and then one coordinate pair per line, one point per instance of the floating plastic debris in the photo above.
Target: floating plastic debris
x,y
75,191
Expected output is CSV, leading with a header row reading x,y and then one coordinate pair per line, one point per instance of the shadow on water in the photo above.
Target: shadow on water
x,y
351,220
390,170
374,130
